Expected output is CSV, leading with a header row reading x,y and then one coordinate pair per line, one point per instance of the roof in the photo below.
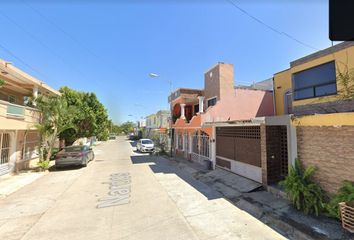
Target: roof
x,y
265,85
19,78
322,53
177,93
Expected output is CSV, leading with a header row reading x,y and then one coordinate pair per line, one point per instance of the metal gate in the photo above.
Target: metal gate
x,y
238,149
200,147
4,153
277,153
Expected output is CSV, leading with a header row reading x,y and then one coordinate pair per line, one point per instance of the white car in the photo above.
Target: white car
x,y
145,145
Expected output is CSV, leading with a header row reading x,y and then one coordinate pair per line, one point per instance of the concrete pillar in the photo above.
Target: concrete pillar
x,y
264,162
201,103
182,110
35,95
212,153
292,143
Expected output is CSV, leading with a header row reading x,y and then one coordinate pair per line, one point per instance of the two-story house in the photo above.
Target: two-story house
x,y
157,122
217,123
19,138
318,90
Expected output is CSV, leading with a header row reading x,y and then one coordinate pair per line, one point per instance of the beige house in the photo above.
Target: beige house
x,y
19,138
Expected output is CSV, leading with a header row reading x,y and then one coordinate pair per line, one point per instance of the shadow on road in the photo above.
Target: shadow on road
x,y
132,143
162,165
66,168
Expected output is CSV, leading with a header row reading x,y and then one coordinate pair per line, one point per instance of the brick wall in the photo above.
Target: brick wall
x,y
330,150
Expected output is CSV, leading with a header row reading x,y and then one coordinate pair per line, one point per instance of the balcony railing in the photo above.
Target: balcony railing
x,y
18,112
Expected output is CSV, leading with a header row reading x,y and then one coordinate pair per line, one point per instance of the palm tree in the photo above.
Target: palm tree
x,y
55,118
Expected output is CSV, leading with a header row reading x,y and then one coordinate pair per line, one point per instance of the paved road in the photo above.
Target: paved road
x,y
149,199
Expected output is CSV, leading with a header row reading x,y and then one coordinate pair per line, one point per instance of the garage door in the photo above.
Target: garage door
x,y
238,149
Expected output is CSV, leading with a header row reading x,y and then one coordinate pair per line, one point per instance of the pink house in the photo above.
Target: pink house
x,y
196,113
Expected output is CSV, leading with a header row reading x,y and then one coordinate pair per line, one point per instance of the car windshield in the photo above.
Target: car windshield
x,y
146,142
74,149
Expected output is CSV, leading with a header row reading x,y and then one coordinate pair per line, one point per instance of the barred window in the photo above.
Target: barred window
x,y
180,141
31,145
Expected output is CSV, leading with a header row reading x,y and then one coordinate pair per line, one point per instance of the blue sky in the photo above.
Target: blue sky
x,y
110,47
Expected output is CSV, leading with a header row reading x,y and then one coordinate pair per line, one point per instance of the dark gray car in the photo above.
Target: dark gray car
x,y
74,156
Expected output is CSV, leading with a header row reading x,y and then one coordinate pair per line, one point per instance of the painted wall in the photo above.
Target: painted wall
x,y
31,116
283,80
218,82
334,119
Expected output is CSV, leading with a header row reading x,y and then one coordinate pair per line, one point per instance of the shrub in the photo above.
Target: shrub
x,y
43,165
304,194
344,194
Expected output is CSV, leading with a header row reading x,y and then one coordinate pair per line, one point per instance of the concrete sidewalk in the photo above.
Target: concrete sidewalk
x,y
273,210
11,183
161,201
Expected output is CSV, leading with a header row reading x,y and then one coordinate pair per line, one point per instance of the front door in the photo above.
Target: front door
x,y
277,153
4,153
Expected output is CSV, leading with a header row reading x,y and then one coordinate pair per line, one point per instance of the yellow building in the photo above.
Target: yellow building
x,y
19,138
318,90
320,83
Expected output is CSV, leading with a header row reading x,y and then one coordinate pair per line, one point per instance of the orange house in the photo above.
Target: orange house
x,y
219,101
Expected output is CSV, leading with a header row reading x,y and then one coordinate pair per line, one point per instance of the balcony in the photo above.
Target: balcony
x,y
15,116
16,111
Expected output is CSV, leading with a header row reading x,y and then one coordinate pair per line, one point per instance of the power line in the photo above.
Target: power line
x,y
22,61
270,27
41,43
88,50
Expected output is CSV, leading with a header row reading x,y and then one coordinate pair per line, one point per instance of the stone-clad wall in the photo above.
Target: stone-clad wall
x,y
322,108
330,150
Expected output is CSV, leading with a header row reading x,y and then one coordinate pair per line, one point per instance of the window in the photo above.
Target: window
x,y
146,142
4,148
31,146
11,99
196,108
211,101
315,82
180,141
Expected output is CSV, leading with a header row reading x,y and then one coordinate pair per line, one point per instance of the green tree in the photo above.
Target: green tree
x,y
91,118
55,118
126,127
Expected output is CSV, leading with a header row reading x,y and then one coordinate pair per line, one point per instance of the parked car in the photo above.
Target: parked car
x,y
112,136
133,137
145,145
74,156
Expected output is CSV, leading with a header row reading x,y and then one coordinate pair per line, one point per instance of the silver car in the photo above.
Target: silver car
x,y
74,156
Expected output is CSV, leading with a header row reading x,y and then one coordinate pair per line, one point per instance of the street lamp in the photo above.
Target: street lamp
x,y
155,75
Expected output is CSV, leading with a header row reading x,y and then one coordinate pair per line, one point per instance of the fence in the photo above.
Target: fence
x,y
200,147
